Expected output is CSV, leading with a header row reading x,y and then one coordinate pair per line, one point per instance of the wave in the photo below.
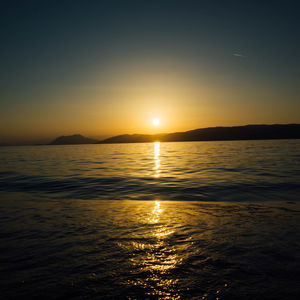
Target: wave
x,y
146,188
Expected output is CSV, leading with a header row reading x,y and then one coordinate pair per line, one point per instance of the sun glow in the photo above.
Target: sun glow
x,y
155,122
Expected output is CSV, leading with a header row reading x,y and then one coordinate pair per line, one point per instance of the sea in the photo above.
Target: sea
x,y
188,220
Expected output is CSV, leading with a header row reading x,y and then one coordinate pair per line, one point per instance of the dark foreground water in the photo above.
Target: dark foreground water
x,y
75,223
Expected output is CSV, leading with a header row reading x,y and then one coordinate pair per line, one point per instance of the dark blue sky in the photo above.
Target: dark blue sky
x,y
52,50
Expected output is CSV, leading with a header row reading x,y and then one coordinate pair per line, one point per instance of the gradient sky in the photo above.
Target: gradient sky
x,y
102,68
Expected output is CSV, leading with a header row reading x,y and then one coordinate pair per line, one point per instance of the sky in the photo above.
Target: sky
x,y
102,68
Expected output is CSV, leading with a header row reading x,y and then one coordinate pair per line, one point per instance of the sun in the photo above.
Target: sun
x,y
155,121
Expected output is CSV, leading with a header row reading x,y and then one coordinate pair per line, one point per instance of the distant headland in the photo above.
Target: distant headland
x,y
74,139
247,132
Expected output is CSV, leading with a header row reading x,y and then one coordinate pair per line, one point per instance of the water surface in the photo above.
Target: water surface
x,y
198,171
100,221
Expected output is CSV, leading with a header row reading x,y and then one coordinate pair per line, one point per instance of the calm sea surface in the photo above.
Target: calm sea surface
x,y
194,220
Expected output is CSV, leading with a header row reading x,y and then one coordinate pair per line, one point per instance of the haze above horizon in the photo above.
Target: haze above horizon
x,y
103,68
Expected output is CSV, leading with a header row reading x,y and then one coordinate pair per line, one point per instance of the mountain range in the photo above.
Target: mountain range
x,y
72,140
247,132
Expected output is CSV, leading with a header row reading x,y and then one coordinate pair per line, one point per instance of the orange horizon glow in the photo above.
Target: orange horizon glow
x,y
129,103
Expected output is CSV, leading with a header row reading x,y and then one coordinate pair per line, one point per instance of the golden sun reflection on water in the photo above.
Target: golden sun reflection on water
x,y
156,256
154,217
156,167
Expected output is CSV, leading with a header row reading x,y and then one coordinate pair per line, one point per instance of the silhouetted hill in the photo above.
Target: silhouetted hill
x,y
73,140
248,132
133,138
